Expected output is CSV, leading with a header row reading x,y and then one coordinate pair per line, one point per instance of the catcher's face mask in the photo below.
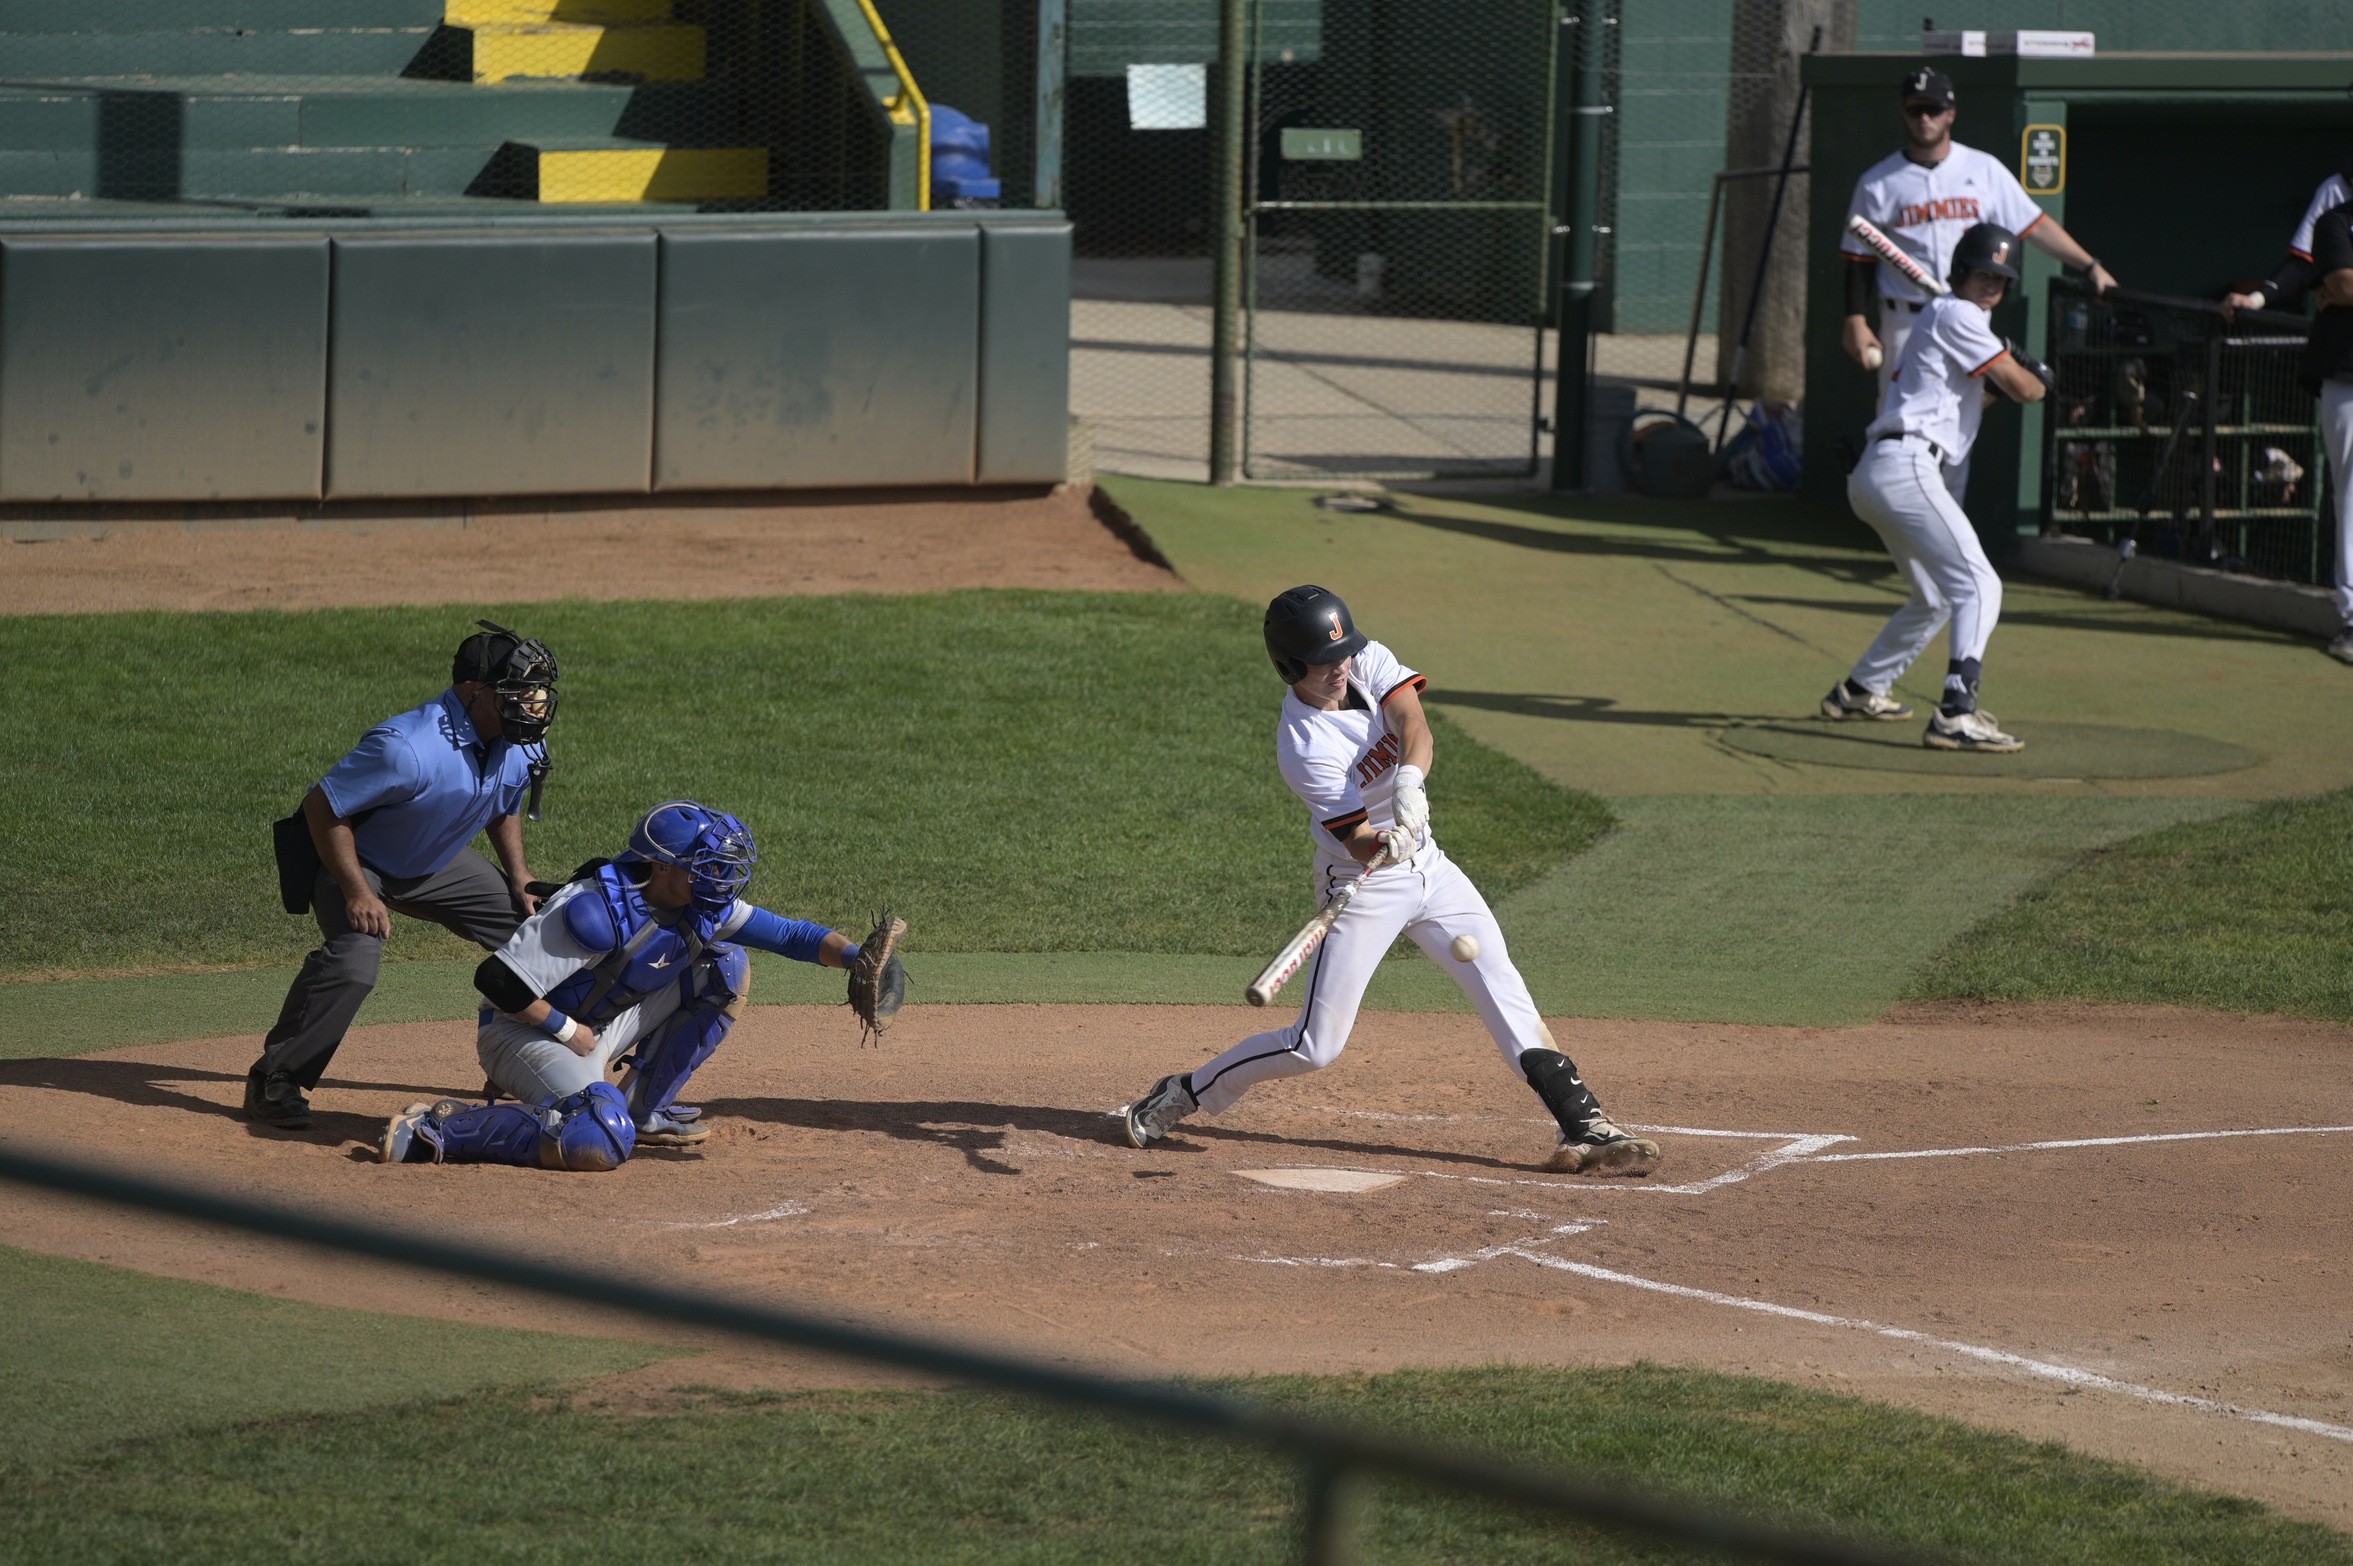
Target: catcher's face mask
x,y
712,847
520,672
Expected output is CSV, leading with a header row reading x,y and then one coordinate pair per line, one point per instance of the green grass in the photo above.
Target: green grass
x,y
100,1355
971,1477
2249,913
1015,772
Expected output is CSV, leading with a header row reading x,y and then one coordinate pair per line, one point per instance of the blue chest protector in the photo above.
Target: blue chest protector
x,y
644,952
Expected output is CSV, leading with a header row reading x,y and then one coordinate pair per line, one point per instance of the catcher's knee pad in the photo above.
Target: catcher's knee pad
x,y
591,1131
723,978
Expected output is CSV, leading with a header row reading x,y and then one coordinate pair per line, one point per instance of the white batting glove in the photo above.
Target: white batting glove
x,y
1396,846
1410,806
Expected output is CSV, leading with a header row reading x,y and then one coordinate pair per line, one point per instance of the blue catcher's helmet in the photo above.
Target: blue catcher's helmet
x,y
711,846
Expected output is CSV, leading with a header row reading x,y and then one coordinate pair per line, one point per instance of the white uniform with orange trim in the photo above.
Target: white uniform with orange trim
x,y
1343,766
1927,422
2333,191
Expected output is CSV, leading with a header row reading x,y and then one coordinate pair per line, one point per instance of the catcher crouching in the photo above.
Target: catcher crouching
x,y
625,981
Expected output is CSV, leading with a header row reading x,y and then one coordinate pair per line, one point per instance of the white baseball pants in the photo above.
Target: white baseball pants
x,y
526,1064
1895,329
1427,898
2336,436
1899,489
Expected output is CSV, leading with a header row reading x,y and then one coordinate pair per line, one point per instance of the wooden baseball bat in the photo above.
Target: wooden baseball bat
x,y
1892,253
1277,973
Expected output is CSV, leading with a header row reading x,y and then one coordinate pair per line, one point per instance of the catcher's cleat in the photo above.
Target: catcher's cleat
x,y
1155,1114
664,1129
1848,700
403,1143
277,1102
1602,1149
1968,731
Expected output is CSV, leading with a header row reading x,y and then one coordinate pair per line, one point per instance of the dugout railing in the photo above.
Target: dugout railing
x,y
2178,434
1331,1458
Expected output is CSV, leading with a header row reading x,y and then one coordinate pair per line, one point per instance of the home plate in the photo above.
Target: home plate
x,y
1322,1179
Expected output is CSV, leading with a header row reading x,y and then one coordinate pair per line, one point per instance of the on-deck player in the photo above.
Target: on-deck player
x,y
2315,262
1927,422
1354,745
638,963
1924,197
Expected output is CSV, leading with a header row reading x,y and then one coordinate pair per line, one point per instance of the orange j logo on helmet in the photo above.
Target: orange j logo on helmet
x,y
1337,633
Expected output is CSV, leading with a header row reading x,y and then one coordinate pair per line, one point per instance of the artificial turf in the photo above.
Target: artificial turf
x,y
530,1474
1013,771
2252,912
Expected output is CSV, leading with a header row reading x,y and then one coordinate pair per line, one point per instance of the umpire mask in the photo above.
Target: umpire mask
x,y
520,671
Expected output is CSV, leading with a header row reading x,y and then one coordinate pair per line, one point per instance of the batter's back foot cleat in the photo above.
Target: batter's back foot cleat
x,y
403,1142
1602,1149
664,1129
1848,700
2342,648
277,1102
1155,1114
1968,731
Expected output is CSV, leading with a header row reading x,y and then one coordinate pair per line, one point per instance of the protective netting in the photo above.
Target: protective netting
x,y
423,108
2187,434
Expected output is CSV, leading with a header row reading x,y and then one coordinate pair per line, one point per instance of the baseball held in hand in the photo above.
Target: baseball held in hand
x,y
1872,356
1465,948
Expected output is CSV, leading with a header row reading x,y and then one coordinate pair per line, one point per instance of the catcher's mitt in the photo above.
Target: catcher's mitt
x,y
878,984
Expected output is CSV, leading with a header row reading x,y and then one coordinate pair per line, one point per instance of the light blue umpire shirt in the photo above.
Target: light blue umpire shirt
x,y
430,782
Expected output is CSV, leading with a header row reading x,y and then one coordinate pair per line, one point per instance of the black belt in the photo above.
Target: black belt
x,y
1934,448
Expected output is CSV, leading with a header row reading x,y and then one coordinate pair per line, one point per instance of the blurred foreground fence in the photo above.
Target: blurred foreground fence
x,y
2185,436
1331,1457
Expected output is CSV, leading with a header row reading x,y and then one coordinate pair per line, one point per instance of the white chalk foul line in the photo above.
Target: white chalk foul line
x,y
2085,1141
788,1210
1992,1356
1794,1149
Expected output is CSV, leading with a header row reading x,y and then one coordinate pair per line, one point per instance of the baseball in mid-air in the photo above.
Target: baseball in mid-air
x,y
1872,356
1465,948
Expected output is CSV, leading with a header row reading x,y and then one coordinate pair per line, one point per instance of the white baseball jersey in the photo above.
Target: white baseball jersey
x,y
2333,192
1926,207
544,953
1936,393
1343,764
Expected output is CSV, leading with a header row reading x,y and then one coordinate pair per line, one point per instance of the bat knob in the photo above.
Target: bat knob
x,y
1255,996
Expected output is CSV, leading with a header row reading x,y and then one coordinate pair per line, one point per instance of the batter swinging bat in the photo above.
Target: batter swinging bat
x,y
1892,253
1277,973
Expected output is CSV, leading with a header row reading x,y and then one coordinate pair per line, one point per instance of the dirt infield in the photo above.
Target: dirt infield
x,y
2126,1229
694,547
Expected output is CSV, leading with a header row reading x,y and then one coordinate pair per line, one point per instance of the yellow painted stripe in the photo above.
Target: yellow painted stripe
x,y
661,53
908,105
496,13
653,174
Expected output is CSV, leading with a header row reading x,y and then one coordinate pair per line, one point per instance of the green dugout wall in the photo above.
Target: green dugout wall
x,y
324,362
2183,173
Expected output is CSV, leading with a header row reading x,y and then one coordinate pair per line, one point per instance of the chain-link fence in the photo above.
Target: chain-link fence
x,y
2186,434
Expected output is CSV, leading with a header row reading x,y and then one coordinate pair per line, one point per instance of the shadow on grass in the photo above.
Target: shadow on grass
x,y
1720,549
2126,623
978,1130
1598,709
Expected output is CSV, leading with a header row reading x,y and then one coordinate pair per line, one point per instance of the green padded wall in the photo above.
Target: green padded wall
x,y
1024,353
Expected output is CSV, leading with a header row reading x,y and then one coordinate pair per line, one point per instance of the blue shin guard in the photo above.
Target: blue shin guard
x,y
591,1130
715,990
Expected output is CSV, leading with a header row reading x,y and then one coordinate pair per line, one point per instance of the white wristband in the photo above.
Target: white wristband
x,y
563,1035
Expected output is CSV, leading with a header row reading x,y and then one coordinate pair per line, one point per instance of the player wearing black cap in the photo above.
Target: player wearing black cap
x,y
1355,747
1924,197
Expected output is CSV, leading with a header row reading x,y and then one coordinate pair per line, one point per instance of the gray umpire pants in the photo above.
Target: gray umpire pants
x,y
467,895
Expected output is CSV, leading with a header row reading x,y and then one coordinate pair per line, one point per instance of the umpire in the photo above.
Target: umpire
x,y
389,827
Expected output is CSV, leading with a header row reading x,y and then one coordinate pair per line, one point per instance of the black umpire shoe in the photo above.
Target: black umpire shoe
x,y
275,1099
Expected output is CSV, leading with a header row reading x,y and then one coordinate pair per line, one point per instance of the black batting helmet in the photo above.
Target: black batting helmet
x,y
1987,247
1309,626
520,670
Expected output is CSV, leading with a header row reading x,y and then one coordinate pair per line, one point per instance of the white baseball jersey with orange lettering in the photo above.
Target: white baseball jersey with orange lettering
x,y
1343,764
1926,207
